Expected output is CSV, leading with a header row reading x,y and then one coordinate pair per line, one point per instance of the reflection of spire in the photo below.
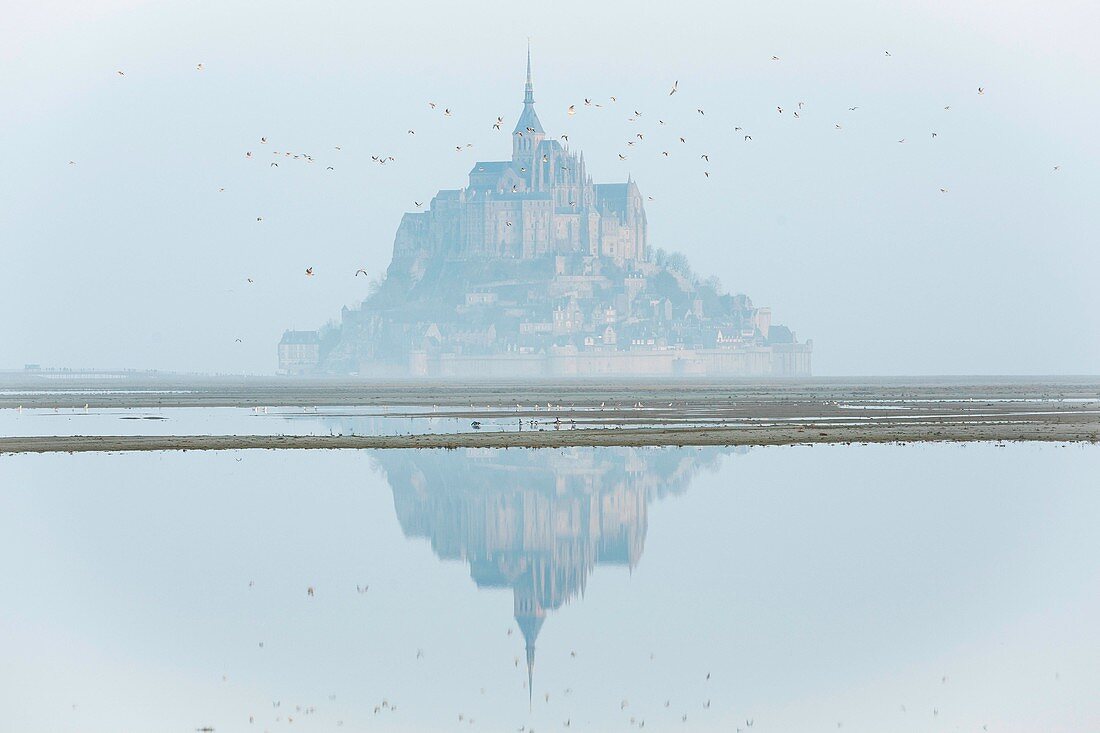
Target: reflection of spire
x,y
533,523
529,615
530,631
530,676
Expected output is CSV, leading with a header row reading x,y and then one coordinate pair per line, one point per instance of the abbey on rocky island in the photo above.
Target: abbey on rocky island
x,y
533,270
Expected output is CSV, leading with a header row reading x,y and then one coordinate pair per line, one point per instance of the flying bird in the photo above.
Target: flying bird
x,y
572,109
309,273
674,85
357,275
199,67
981,90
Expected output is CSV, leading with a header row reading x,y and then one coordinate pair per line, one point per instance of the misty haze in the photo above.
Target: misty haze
x,y
483,366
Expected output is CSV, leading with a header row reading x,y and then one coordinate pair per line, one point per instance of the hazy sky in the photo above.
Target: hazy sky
x,y
132,257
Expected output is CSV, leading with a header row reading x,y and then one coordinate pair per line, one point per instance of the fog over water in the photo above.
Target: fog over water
x,y
133,257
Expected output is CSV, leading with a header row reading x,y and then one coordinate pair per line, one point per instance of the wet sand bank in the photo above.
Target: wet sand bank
x,y
32,390
1080,428
612,413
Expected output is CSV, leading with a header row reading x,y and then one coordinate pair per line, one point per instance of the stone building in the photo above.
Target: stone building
x,y
534,270
299,352
541,202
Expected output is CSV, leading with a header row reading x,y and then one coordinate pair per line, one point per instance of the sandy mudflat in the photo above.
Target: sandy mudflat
x,y
43,390
1054,431
612,413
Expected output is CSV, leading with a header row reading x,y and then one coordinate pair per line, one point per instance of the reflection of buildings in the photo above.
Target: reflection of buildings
x,y
536,521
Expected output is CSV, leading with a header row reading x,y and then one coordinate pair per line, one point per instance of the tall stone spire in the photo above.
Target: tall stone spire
x,y
529,123
528,133
528,88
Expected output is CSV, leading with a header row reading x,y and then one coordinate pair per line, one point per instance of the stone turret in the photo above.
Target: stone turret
x,y
529,132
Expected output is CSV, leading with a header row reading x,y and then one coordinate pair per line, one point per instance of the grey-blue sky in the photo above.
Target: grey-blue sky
x,y
132,257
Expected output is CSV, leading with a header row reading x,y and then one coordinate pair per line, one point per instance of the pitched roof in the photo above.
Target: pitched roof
x,y
528,119
300,337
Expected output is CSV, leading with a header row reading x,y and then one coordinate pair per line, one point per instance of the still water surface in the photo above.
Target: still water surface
x,y
902,588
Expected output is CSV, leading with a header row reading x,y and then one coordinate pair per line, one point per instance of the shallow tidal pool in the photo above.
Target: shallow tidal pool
x,y
903,588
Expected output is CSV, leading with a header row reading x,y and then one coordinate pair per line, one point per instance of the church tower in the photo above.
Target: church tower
x,y
528,133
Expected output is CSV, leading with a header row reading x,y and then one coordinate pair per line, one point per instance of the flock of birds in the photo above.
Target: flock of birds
x,y
634,144
703,704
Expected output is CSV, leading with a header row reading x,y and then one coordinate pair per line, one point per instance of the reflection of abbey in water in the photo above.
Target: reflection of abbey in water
x,y
537,522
